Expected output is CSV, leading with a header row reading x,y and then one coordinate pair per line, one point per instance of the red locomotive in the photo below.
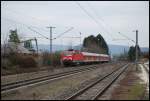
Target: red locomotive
x,y
71,56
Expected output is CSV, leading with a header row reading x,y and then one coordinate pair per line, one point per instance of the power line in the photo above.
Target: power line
x,y
96,21
18,13
126,37
106,23
25,26
63,33
38,33
30,37
22,23
94,11
119,39
14,21
38,28
29,27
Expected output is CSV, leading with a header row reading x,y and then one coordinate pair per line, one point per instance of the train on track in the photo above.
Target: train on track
x,y
75,57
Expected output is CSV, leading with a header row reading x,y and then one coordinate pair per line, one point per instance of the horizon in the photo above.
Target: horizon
x,y
80,44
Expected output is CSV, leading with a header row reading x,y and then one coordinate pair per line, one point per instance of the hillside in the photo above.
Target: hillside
x,y
114,49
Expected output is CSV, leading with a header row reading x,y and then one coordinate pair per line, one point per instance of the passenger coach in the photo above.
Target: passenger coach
x,y
73,57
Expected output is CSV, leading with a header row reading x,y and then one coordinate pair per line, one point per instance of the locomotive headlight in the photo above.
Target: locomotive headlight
x,y
67,58
70,58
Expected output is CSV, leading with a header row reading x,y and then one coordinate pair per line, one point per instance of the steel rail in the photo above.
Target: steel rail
x,y
14,85
78,93
146,68
109,84
20,81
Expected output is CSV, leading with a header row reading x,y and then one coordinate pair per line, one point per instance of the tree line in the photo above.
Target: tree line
x,y
95,44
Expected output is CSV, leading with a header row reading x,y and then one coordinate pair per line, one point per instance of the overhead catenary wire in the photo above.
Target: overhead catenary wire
x,y
96,21
89,5
127,37
38,32
18,13
29,27
106,23
37,27
94,11
63,33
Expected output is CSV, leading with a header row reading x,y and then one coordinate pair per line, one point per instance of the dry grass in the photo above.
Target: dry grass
x,y
130,88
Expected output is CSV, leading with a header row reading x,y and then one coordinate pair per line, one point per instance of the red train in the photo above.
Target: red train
x,y
71,57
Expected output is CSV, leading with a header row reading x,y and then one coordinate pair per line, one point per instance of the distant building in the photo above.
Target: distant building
x,y
11,47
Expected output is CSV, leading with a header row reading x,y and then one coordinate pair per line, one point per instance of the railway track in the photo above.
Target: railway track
x,y
24,83
145,67
97,88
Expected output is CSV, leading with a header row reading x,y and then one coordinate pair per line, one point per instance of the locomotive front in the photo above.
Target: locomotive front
x,y
67,57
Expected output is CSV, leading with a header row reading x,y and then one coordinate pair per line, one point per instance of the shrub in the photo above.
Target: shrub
x,y
22,61
14,58
47,58
5,63
27,61
56,58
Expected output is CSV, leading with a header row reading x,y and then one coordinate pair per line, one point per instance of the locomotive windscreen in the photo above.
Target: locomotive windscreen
x,y
66,53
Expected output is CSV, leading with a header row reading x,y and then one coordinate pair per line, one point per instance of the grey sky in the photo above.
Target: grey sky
x,y
114,16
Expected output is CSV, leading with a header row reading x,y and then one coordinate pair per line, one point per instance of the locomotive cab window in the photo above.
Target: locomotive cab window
x,y
77,52
67,53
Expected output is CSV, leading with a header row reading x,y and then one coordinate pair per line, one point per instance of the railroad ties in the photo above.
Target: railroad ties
x,y
30,82
97,88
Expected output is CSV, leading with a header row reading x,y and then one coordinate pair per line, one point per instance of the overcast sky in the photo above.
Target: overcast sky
x,y
105,17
